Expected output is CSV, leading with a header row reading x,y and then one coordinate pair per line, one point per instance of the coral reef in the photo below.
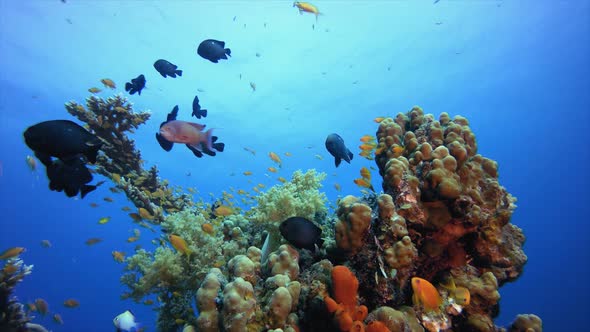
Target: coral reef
x,y
299,197
13,317
442,217
112,120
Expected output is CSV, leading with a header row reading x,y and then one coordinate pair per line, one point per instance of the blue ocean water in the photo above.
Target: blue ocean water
x,y
519,71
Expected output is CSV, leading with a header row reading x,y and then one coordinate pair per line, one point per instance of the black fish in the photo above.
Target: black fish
x,y
136,85
301,233
167,145
71,177
213,50
166,68
336,147
62,139
197,111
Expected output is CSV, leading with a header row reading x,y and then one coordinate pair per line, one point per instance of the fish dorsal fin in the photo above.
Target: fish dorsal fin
x,y
172,115
200,127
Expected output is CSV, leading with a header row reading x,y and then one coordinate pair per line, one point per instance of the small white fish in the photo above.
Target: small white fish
x,y
125,321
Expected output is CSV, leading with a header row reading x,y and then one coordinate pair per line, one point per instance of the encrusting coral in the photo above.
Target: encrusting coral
x,y
442,217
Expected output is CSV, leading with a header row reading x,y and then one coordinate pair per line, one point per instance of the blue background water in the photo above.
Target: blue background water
x,y
518,71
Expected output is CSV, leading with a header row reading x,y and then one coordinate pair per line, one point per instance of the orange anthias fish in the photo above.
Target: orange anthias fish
x,y
224,211
118,256
275,158
367,139
425,294
108,83
12,252
379,119
397,151
460,294
307,7
364,183
179,244
93,241
42,306
365,173
71,303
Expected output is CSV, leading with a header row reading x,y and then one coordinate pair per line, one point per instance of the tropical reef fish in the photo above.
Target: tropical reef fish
x,y
166,68
108,83
93,241
301,233
307,8
94,90
336,147
213,50
136,85
197,111
223,211
275,157
125,322
12,252
118,256
189,133
32,163
71,303
425,294
42,306
62,139
253,86
179,244
460,294
57,318
72,177
46,244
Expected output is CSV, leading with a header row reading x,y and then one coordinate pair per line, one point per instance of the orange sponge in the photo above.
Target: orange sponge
x,y
347,315
345,286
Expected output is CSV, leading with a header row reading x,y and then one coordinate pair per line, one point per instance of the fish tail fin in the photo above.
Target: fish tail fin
x,y
178,72
128,86
208,140
350,155
204,113
228,51
86,189
219,146
337,161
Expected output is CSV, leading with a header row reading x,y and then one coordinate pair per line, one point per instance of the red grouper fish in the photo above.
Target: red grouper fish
x,y
189,133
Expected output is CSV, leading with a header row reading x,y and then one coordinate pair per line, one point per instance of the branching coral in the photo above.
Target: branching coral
x,y
111,120
13,317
